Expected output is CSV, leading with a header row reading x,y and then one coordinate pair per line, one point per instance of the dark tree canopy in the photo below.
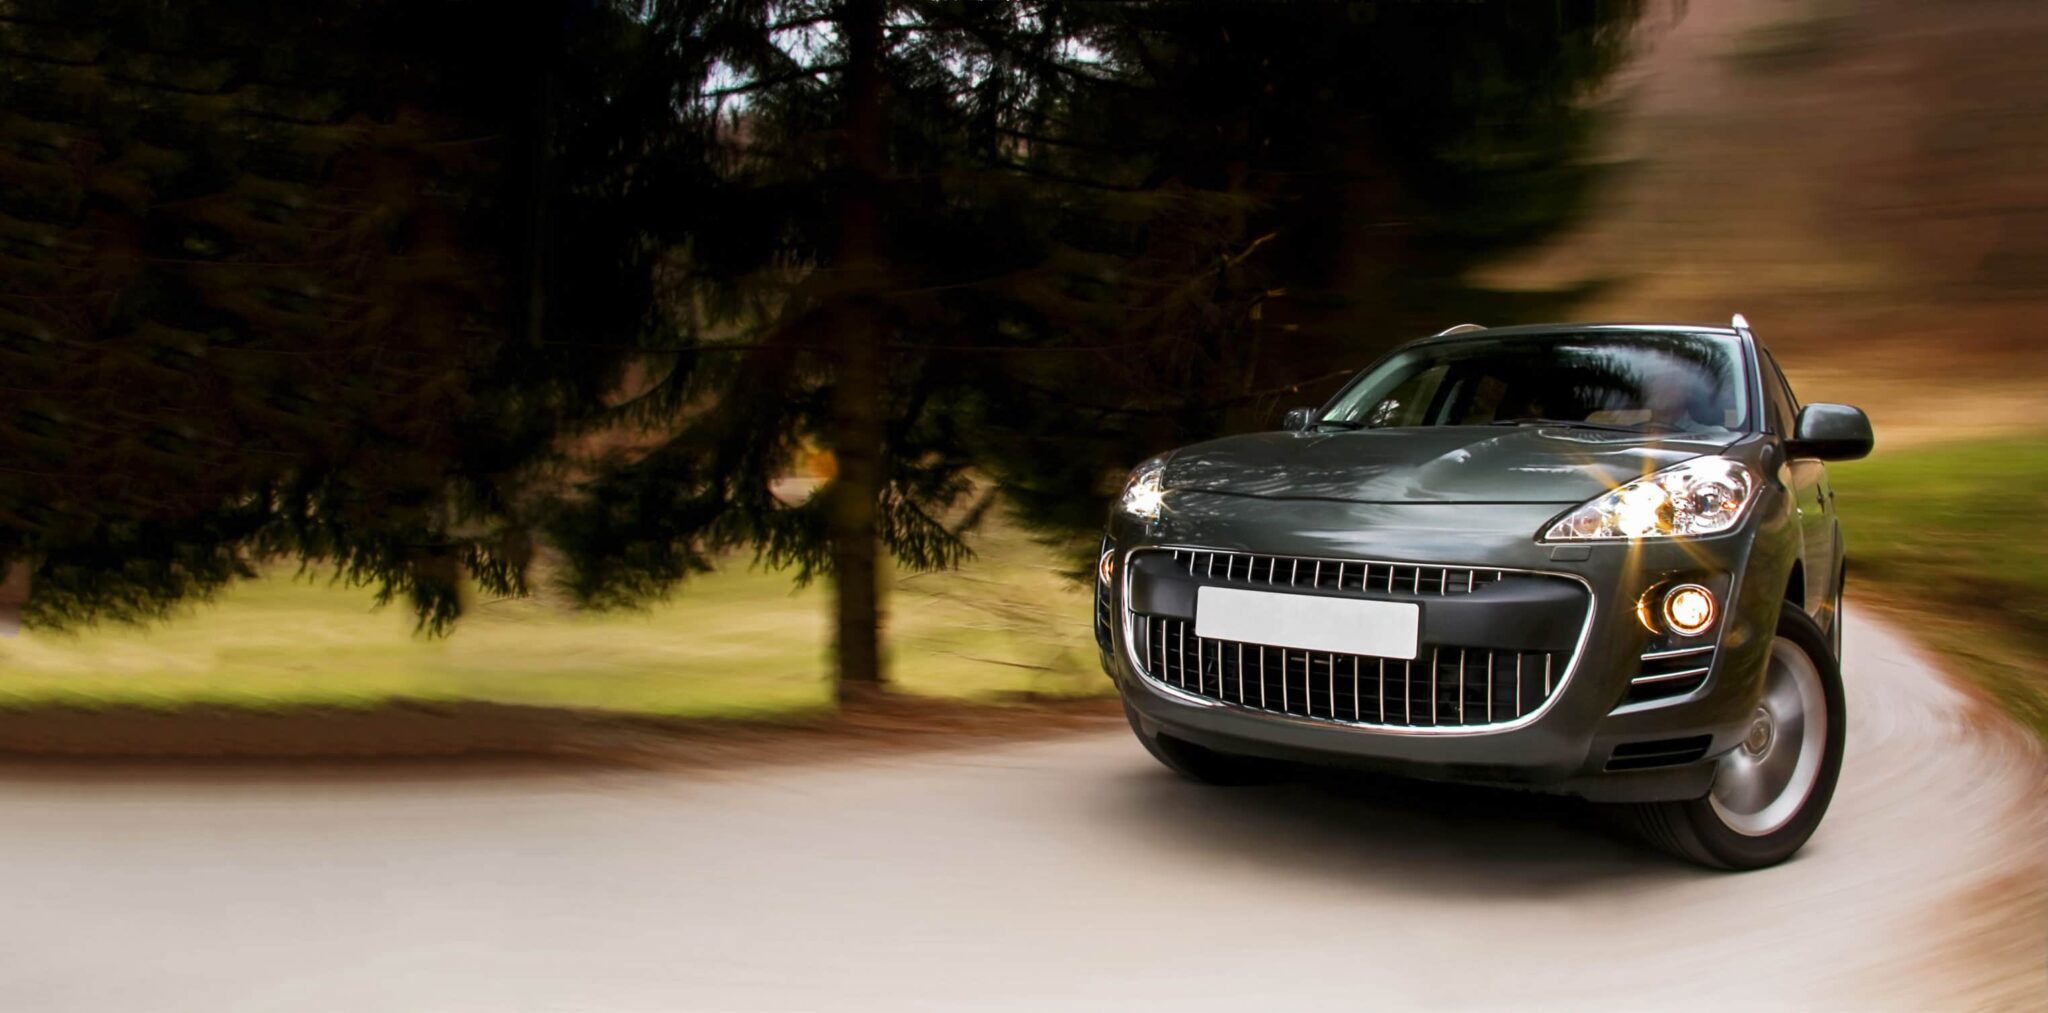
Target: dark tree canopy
x,y
409,289
297,279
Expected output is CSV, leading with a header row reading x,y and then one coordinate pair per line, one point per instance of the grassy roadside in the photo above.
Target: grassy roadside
x,y
1949,537
737,643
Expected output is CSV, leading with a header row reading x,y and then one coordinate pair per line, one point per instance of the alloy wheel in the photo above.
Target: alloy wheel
x,y
1762,784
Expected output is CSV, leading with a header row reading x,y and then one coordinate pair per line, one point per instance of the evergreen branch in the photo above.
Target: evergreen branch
x,y
996,43
773,80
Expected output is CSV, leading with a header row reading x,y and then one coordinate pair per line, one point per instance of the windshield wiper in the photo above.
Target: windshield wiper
x,y
1605,427
1341,423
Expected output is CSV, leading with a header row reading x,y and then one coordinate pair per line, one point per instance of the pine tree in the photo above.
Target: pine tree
x,y
306,281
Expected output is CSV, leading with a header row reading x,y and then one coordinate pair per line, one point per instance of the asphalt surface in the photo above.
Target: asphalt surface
x,y
1071,872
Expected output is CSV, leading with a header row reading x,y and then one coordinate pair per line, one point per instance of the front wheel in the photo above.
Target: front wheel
x,y
1770,791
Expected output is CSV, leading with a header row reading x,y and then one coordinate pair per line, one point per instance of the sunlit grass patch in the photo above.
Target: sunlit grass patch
x,y
739,642
1955,532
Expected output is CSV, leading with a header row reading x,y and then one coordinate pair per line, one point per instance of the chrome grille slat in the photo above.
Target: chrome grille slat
x,y
1354,687
1407,698
1461,685
1331,662
1669,676
1489,687
1435,659
1685,653
1180,658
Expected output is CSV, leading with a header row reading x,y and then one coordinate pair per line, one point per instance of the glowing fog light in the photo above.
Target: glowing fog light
x,y
1689,609
1102,568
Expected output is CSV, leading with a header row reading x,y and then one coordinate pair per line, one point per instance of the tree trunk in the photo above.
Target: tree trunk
x,y
857,406
13,594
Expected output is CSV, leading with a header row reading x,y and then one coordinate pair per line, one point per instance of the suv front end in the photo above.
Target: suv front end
x,y
1420,578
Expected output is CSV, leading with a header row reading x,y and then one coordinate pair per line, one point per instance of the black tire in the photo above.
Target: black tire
x,y
1197,763
1699,831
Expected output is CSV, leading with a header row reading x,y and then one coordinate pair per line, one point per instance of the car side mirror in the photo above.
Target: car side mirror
x,y
1299,419
1832,432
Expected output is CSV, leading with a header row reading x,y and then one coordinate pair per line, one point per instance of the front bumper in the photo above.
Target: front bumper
x,y
1566,745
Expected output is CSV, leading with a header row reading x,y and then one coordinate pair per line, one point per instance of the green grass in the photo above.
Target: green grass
x,y
740,642
1954,533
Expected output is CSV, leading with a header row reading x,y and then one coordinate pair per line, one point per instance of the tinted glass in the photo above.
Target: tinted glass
x,y
1654,381
1785,408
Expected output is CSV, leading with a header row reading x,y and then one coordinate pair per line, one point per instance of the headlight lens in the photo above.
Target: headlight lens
x,y
1143,494
1703,496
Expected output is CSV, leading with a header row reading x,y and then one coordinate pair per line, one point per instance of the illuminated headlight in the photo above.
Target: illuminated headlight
x,y
1143,494
1703,496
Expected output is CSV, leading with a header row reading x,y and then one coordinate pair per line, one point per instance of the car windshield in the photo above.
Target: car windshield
x,y
1637,381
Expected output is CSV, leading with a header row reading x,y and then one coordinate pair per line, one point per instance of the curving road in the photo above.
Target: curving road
x,y
1067,872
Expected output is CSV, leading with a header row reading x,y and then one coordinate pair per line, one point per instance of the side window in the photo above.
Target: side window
x,y
1784,409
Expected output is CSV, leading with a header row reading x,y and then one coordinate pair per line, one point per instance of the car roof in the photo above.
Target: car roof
x,y
1722,330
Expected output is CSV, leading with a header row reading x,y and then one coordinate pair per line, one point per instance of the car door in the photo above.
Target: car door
x,y
1811,496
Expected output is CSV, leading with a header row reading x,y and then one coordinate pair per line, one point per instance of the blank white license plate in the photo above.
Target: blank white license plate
x,y
1383,629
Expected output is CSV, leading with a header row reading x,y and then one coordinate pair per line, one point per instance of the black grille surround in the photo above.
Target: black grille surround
x,y
1447,687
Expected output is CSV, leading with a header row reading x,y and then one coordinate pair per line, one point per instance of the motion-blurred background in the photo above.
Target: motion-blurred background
x,y
731,359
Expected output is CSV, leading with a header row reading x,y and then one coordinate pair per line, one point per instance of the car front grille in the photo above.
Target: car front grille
x,y
1252,569
1447,686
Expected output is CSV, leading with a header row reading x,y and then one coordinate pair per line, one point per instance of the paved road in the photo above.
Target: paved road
x,y
1062,872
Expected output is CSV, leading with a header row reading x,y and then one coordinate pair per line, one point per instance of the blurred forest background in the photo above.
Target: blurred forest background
x,y
721,358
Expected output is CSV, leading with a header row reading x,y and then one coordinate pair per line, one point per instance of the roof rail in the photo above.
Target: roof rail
x,y
1741,325
1458,329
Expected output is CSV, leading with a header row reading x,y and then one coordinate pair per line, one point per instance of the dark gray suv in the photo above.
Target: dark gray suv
x,y
1600,560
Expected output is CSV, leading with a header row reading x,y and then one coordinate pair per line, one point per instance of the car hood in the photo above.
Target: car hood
x,y
1444,464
